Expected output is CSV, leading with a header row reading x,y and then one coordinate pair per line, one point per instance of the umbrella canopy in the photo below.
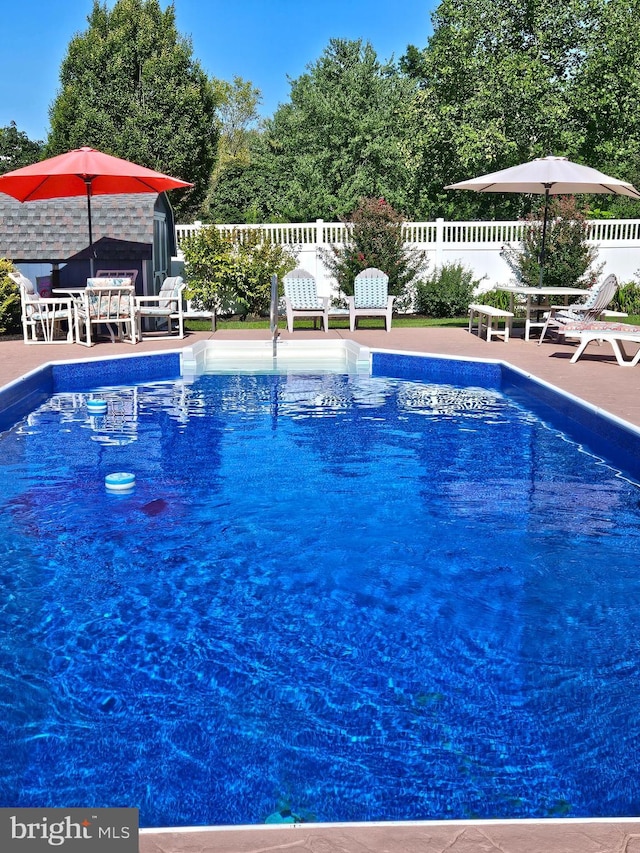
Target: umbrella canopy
x,y
548,175
84,171
551,176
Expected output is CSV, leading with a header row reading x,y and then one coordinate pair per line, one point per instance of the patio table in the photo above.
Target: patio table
x,y
533,310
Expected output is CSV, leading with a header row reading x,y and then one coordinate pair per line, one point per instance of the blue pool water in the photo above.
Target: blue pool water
x,y
332,598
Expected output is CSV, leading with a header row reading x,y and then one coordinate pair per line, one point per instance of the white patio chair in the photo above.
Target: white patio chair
x,y
109,302
302,300
166,305
42,319
370,298
593,307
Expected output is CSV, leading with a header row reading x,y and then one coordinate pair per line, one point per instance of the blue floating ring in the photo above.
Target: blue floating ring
x,y
120,481
97,406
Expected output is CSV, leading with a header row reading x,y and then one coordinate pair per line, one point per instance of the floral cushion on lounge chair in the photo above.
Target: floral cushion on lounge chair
x,y
601,326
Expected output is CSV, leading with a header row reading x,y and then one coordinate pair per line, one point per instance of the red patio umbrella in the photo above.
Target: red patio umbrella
x,y
84,171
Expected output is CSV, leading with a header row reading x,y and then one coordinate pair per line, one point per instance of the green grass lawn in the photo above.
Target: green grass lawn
x,y
407,321
412,320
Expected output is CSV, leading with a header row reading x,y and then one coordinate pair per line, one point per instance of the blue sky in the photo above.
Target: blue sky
x,y
264,41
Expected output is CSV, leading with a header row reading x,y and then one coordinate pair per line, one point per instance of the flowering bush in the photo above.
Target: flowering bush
x,y
374,239
569,259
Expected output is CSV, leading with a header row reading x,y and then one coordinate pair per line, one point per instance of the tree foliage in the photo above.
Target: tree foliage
x,y
338,139
498,83
129,86
494,90
605,93
231,273
16,149
238,112
10,306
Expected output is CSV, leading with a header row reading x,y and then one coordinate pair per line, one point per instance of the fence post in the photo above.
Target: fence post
x,y
439,241
319,266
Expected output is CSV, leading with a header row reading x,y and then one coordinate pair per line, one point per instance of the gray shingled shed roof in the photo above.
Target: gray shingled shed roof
x,y
55,230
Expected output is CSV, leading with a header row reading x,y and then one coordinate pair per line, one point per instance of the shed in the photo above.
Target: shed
x,y
132,231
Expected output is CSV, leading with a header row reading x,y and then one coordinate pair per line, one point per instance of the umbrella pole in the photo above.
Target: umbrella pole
x,y
87,182
547,187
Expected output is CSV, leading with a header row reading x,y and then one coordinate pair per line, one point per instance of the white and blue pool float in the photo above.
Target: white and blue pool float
x,y
96,407
120,481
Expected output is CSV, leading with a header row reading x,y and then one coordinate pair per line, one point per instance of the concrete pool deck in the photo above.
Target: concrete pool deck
x,y
597,379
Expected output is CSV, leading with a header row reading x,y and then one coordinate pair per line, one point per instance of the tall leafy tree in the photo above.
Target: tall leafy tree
x,y
130,86
238,104
239,118
605,93
338,139
16,149
493,91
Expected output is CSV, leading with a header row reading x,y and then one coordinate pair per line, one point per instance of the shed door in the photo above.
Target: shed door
x,y
161,258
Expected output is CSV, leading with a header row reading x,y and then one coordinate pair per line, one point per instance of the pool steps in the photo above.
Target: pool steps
x,y
257,356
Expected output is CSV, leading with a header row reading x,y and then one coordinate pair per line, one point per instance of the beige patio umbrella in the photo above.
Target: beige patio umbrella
x,y
551,176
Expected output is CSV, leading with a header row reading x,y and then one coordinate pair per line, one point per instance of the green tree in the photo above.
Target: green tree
x,y
338,139
235,166
493,86
238,111
16,149
129,86
605,94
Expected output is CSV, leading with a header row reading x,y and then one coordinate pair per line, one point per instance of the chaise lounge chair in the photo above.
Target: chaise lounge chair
x,y
370,298
593,307
613,333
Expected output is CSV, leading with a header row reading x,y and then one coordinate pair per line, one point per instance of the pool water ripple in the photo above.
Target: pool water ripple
x,y
315,599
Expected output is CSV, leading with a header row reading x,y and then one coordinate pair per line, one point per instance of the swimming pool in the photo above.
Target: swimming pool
x,y
329,597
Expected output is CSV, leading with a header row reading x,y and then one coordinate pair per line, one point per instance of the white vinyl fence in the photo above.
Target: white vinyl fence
x,y
474,244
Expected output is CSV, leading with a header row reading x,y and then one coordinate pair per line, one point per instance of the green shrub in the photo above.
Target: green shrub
x,y
627,298
569,259
230,273
10,322
447,292
374,239
496,298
